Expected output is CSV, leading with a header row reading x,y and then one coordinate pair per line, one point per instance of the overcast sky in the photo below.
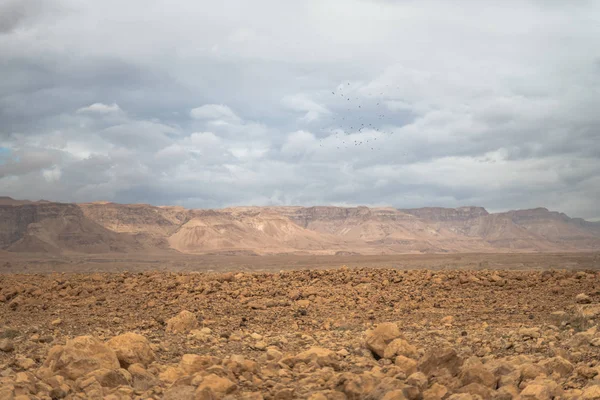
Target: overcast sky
x,y
346,102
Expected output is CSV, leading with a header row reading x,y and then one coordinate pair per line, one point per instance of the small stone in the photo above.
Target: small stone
x,y
6,345
57,322
184,322
583,298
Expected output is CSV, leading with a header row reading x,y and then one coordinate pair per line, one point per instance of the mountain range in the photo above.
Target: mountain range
x,y
104,227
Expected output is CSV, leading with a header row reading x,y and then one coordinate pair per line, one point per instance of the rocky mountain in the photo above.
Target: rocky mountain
x,y
102,227
54,228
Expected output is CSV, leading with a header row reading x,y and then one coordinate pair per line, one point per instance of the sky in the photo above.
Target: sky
x,y
320,102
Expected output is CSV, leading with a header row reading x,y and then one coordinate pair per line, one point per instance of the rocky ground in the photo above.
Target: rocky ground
x,y
349,333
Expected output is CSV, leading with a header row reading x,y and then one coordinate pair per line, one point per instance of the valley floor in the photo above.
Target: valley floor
x,y
453,327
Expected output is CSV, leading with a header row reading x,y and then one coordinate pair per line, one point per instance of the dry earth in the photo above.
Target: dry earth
x,y
344,333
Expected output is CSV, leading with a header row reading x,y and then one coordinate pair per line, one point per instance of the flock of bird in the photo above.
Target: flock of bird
x,y
357,119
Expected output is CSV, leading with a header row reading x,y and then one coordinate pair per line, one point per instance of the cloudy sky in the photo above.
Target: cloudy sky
x,y
374,102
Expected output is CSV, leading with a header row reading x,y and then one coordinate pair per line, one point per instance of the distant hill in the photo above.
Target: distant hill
x,y
104,227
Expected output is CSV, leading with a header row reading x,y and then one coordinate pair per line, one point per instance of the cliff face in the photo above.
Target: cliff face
x,y
447,214
109,227
56,227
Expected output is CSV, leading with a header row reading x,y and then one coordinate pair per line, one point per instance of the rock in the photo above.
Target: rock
x,y
476,389
530,333
193,363
184,392
395,395
435,392
80,356
399,347
319,356
142,379
6,345
418,379
184,322
477,374
56,322
583,298
557,365
217,384
378,338
591,393
407,366
131,348
284,394
536,392
111,378
438,359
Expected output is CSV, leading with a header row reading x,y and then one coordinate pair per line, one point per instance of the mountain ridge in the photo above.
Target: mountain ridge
x,y
106,227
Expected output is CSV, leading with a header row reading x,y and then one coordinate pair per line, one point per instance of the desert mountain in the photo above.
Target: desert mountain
x,y
54,228
102,227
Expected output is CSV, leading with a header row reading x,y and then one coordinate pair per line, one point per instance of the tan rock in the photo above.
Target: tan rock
x,y
378,338
131,348
184,322
193,363
6,345
557,365
394,395
319,356
407,365
80,356
217,384
142,379
536,392
583,298
477,374
399,347
476,389
111,378
435,392
591,393
184,392
438,359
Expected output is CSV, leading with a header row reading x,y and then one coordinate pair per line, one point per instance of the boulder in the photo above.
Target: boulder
x,y
80,356
399,347
131,348
378,338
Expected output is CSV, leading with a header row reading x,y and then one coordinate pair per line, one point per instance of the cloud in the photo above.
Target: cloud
x,y
214,112
302,103
100,108
399,103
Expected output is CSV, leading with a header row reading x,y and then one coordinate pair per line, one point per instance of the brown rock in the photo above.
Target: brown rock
x,y
437,359
477,374
407,365
399,347
583,298
217,384
378,338
319,356
536,392
184,322
193,363
80,356
131,348
111,378
435,392
476,389
557,365
591,393
142,379
184,392
6,345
